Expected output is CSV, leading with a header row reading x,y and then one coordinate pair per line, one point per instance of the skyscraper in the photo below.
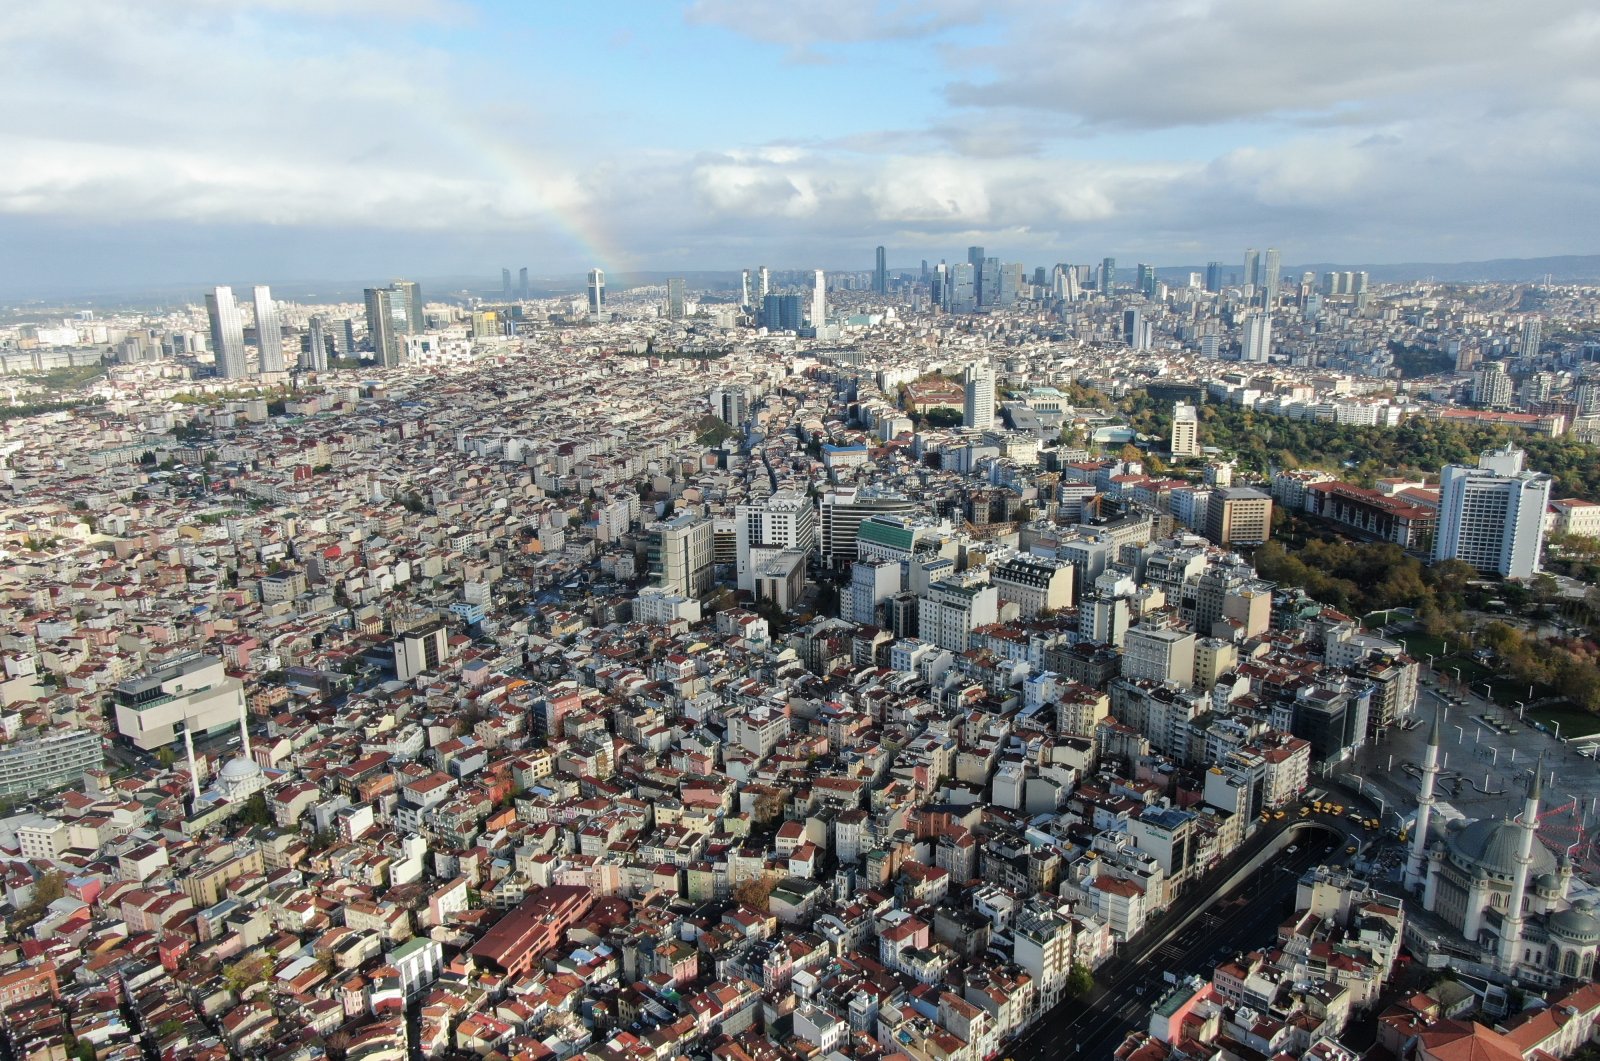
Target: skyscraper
x,y
1213,277
407,307
1252,270
975,259
978,407
1269,279
1529,346
766,282
269,332
675,301
505,283
1147,280
989,282
781,313
1492,516
597,293
1108,276
1257,342
880,273
1185,430
227,333
522,282
1491,387
819,301
381,332
317,354
744,288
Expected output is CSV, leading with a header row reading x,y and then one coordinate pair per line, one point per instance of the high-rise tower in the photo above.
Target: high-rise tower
x,y
819,301
407,307
1269,279
317,355
880,273
381,331
227,333
269,332
675,299
978,390
597,293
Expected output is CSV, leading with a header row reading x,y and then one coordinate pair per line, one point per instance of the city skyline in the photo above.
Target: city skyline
x,y
971,136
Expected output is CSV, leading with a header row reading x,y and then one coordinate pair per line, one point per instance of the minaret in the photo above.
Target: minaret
x,y
194,772
1417,862
1511,927
244,734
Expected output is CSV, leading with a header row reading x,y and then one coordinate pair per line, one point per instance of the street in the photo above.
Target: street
x,y
1244,918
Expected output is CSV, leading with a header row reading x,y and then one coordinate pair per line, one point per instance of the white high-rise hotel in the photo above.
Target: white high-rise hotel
x,y
1492,516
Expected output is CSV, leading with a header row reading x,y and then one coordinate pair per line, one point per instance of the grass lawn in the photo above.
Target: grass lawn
x,y
1378,620
1471,670
1575,722
1421,646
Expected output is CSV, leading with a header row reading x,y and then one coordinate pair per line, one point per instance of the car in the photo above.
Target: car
x,y
1293,848
1350,850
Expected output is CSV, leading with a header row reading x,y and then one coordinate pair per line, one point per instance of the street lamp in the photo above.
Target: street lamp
x,y
1556,722
1521,707
1458,674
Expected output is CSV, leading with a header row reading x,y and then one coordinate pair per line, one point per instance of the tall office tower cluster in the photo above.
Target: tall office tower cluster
x,y
880,273
520,290
227,332
596,286
1492,516
392,313
977,282
1261,276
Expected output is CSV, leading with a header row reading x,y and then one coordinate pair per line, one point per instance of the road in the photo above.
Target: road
x,y
1126,985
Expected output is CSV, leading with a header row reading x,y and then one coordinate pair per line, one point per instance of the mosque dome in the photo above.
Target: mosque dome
x,y
1577,924
1490,847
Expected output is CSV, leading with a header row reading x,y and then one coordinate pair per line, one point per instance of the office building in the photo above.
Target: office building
x,y
316,347
505,284
784,522
1135,330
1185,430
1239,515
1492,516
880,273
192,693
1159,654
52,760
841,512
680,554
781,313
978,406
597,292
1251,278
1269,279
766,281
1108,276
1214,277
407,307
381,333
744,289
1147,280
975,260
269,331
227,333
1257,340
675,299
819,300
421,650
989,291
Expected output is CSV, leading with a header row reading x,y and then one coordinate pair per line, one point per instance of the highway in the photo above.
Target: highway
x,y
1126,985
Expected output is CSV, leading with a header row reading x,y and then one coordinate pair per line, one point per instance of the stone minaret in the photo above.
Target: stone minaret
x,y
1417,862
194,771
1511,929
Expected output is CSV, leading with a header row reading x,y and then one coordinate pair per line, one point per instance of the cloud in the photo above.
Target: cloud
x,y
803,24
1150,64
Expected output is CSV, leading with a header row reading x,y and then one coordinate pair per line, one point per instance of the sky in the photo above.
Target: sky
x,y
204,141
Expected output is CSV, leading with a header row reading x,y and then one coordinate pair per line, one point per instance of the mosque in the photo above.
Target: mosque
x,y
236,782
1501,889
